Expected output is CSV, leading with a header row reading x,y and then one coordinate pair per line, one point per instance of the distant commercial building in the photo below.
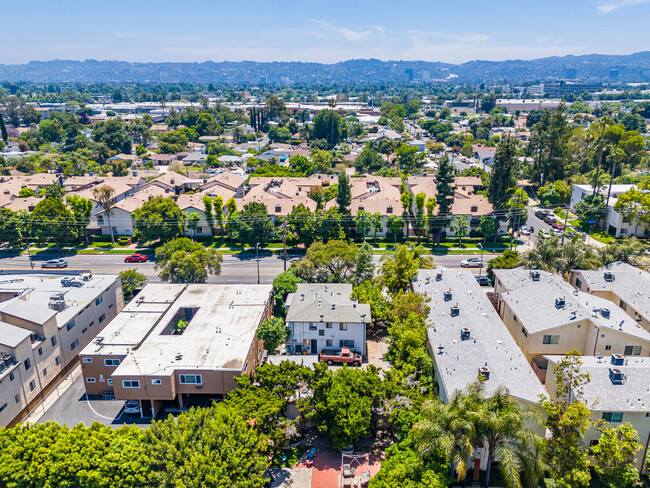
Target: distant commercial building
x,y
176,340
564,87
622,284
43,326
324,316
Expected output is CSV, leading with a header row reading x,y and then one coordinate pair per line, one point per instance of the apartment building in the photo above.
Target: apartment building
x,y
176,340
43,326
547,316
623,284
324,316
617,392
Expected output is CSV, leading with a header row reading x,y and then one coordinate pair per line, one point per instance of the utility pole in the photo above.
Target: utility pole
x,y
512,234
257,258
566,217
29,256
480,246
284,242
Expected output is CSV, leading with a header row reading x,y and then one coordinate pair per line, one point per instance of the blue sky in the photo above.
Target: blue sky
x,y
432,30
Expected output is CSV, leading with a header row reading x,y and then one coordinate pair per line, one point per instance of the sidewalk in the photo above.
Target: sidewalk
x,y
53,395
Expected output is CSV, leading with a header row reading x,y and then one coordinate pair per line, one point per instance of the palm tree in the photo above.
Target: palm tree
x,y
546,255
447,428
104,196
506,430
577,255
626,250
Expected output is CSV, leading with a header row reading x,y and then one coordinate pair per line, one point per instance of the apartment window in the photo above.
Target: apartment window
x,y
90,380
57,360
278,209
156,382
110,306
91,324
389,210
70,325
99,300
191,379
551,339
343,326
74,345
623,305
44,371
312,326
613,416
3,407
346,343
321,332
53,341
11,376
32,385
109,382
86,360
524,331
130,383
328,325
608,347
84,330
17,398
632,350
40,351
101,318
111,362
578,283
28,364
328,343
100,219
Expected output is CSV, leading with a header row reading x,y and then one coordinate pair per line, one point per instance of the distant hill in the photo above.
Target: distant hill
x,y
592,67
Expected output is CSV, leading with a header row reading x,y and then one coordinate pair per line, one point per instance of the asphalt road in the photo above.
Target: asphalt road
x,y
241,268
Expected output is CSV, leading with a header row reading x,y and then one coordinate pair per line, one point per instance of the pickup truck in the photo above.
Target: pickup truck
x,y
331,356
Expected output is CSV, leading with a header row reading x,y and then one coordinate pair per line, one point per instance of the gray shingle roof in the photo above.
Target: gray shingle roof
x,y
326,302
490,344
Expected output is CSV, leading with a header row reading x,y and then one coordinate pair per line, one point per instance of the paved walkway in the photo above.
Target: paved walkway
x,y
53,396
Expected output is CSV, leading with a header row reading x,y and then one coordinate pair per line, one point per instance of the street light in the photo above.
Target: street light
x,y
480,270
284,241
257,255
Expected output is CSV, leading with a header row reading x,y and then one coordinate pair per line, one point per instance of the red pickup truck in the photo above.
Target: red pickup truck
x,y
331,356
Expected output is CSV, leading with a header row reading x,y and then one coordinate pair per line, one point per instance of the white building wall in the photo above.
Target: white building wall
x,y
308,331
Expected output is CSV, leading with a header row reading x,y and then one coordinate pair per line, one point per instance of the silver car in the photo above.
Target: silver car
x,y
471,263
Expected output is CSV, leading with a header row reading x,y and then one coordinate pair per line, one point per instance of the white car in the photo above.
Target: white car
x,y
471,263
524,231
132,407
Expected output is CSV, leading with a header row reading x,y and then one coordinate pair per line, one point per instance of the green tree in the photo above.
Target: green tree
x,y
218,212
283,284
460,227
274,107
3,129
344,195
517,209
364,266
590,208
503,177
193,220
81,210
362,222
369,161
614,456
634,205
105,197
209,213
487,227
445,194
113,134
132,280
172,142
332,262
568,418
549,146
506,260
183,261
10,226
409,157
397,271
273,332
370,292
54,191
302,224
26,192
396,226
488,102
255,225
159,218
626,250
52,221
329,126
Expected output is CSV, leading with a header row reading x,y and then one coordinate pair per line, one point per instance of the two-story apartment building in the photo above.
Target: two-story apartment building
x,y
43,326
176,340
324,316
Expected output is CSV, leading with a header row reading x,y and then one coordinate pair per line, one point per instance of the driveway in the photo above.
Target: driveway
x,y
291,477
72,408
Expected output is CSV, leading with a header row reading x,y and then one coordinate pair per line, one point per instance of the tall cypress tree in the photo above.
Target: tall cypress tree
x,y
445,196
344,195
3,129
502,178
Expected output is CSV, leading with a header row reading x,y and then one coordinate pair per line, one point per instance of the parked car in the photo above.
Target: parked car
x,y
331,356
550,219
132,407
524,231
74,282
541,214
483,280
54,263
558,226
544,234
136,258
471,263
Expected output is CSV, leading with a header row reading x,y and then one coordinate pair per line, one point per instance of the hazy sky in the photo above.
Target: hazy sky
x,y
281,30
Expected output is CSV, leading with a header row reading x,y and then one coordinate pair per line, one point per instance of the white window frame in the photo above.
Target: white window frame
x,y
156,382
90,380
182,378
109,381
108,362
86,360
130,383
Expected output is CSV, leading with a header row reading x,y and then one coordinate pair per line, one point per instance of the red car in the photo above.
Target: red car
x,y
135,258
558,226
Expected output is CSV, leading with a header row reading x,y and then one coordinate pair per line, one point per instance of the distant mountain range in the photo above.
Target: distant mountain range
x,y
592,67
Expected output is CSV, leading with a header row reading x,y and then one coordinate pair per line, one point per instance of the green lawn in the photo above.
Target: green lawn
x,y
293,456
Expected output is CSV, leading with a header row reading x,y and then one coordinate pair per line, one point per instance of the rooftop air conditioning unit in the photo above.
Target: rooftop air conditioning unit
x,y
609,276
57,296
534,275
464,333
616,375
618,359
604,312
484,371
455,310
560,302
447,295
57,305
439,276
